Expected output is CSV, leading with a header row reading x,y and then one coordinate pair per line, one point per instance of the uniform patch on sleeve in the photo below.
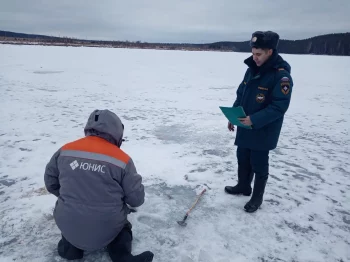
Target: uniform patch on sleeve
x,y
285,85
285,89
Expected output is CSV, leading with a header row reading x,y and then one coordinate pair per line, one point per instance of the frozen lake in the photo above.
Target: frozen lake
x,y
169,103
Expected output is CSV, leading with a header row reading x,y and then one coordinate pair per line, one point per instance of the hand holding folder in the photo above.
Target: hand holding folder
x,y
233,114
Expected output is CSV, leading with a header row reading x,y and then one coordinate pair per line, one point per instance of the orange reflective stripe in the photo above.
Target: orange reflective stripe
x,y
97,145
93,156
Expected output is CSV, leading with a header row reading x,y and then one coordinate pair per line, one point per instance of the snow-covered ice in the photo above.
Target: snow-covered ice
x,y
169,102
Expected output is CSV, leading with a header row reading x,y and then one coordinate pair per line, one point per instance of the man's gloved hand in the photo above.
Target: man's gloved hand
x,y
131,209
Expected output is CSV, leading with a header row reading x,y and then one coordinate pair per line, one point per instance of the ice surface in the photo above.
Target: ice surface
x,y
169,102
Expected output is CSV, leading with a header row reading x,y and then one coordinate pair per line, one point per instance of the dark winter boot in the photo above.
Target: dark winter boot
x,y
258,193
244,183
120,248
67,251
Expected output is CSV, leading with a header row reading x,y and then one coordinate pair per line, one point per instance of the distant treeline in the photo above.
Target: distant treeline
x,y
331,44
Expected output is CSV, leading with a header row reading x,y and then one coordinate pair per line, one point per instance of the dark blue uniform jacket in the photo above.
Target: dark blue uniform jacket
x,y
265,95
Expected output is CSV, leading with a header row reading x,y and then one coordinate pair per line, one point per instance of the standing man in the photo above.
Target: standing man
x,y
265,95
95,182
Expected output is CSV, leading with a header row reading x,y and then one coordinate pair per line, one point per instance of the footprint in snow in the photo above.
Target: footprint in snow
x,y
152,221
7,182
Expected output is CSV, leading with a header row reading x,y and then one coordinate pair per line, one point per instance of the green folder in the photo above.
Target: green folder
x,y
233,113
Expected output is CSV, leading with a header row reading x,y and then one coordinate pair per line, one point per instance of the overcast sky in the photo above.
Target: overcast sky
x,y
195,21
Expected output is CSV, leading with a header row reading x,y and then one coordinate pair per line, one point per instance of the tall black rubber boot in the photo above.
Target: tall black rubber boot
x,y
243,186
67,251
120,248
245,173
258,194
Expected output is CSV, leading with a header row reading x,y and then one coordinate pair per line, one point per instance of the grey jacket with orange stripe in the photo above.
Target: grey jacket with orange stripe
x,y
94,181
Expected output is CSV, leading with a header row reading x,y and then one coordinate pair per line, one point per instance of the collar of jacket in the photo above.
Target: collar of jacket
x,y
268,65
105,136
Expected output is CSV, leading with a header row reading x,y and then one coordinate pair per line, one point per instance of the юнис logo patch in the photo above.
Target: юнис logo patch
x,y
88,166
74,164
